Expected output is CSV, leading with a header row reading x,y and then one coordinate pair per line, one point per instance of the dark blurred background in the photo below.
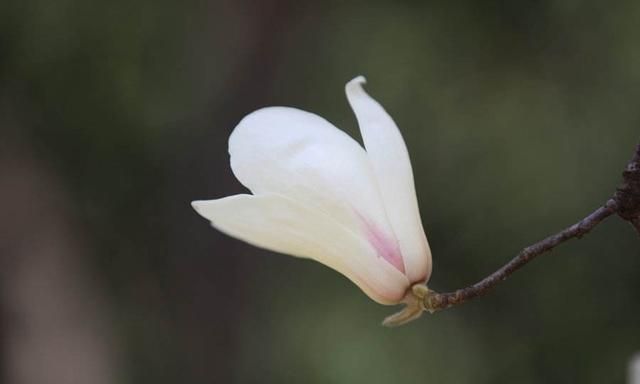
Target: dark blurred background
x,y
114,115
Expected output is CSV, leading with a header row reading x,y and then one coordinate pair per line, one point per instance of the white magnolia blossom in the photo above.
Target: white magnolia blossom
x,y
317,194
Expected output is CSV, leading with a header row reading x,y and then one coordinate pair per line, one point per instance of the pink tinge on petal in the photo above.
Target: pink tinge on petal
x,y
386,246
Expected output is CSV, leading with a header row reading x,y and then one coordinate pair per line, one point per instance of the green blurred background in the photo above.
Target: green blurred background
x,y
519,117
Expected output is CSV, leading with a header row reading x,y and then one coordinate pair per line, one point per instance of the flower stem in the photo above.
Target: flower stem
x,y
625,203
438,301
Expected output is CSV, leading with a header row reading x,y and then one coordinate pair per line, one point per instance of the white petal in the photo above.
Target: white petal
x,y
283,225
390,160
302,156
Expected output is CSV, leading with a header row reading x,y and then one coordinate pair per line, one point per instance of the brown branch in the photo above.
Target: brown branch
x,y
625,203
434,301
628,194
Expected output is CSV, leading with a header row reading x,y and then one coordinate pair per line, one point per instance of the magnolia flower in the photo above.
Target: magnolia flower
x,y
317,194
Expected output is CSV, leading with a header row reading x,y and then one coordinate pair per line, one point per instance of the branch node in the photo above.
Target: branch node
x,y
627,196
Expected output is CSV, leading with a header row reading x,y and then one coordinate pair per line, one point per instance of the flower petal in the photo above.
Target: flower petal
x,y
302,156
390,160
283,225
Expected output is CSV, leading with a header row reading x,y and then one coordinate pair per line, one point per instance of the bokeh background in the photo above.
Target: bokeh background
x,y
114,115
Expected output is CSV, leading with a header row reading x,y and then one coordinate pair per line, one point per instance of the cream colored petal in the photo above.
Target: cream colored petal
x,y
389,157
302,156
283,225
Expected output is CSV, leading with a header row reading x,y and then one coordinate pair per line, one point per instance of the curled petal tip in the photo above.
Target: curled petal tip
x,y
357,81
